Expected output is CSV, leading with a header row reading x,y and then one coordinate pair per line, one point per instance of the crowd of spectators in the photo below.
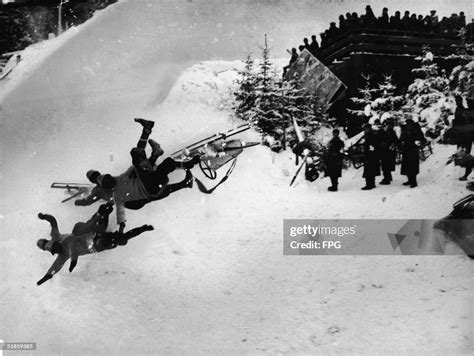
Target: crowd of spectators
x,y
409,22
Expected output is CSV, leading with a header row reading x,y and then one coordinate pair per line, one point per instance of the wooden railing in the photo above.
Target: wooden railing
x,y
386,42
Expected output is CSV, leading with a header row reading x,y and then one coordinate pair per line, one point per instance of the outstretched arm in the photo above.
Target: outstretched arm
x,y
55,267
54,225
88,200
73,254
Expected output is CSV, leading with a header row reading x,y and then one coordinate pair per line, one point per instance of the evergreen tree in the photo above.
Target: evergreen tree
x,y
245,95
387,104
263,97
296,103
267,97
429,87
365,98
461,79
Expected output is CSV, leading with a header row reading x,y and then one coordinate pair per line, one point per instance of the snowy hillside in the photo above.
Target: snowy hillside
x,y
211,278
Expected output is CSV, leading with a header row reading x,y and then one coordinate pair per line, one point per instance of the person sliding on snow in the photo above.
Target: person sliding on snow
x,y
142,182
92,239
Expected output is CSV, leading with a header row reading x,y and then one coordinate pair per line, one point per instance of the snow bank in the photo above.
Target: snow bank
x,y
213,268
211,278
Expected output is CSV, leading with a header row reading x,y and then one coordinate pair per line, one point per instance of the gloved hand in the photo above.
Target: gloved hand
x,y
72,265
44,279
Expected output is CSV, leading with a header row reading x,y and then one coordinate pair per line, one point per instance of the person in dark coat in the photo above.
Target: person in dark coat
x,y
369,19
293,59
313,46
333,32
388,151
469,120
356,20
349,22
334,160
406,21
459,126
383,20
342,23
371,157
396,21
306,44
324,40
412,139
463,159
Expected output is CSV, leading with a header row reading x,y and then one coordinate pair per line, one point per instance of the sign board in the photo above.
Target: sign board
x,y
315,76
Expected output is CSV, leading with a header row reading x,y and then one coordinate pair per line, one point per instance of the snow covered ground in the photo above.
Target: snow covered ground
x,y
211,278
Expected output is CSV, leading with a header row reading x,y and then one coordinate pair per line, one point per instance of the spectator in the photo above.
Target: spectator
x,y
452,24
388,151
369,19
356,20
396,21
383,20
324,41
413,23
306,43
462,20
406,21
422,26
443,26
342,23
412,139
371,158
294,57
301,48
334,160
313,46
333,32
349,22
459,125
434,21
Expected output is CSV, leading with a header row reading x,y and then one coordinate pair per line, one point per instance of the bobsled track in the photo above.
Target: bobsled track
x,y
211,277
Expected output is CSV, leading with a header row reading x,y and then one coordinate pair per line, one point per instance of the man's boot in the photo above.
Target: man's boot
x,y
147,124
333,187
387,178
369,184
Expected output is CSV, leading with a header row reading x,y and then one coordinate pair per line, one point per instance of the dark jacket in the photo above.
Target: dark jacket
x,y
334,158
371,155
460,126
389,143
410,149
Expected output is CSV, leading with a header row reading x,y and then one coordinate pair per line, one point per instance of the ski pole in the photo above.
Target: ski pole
x,y
299,169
